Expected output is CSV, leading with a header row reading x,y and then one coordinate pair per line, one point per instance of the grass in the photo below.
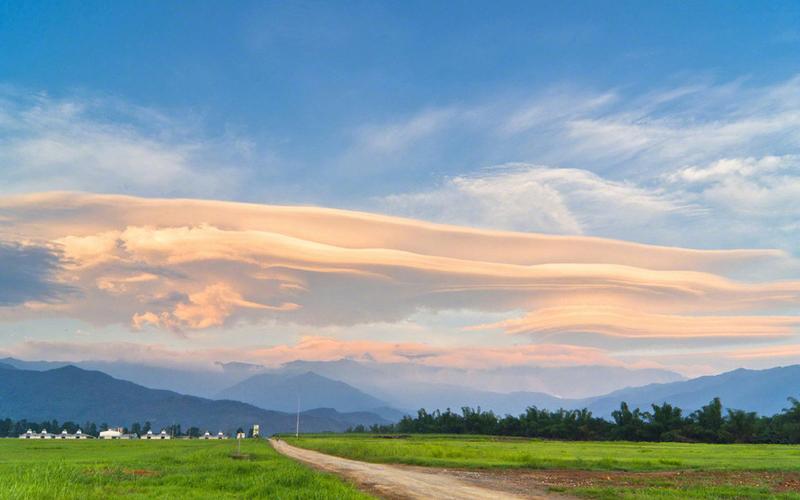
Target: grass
x,y
600,470
488,452
164,469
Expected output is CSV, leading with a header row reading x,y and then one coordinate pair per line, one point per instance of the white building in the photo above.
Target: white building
x,y
37,435
81,435
78,435
117,433
161,435
208,435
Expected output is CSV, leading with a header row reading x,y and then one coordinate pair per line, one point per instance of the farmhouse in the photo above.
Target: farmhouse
x,y
161,435
117,433
78,435
81,435
208,435
37,435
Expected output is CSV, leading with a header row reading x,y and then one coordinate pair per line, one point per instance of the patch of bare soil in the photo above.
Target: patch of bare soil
x,y
140,472
122,472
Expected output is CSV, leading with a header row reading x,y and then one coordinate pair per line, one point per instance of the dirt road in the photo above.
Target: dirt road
x,y
400,482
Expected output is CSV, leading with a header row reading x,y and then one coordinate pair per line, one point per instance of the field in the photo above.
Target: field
x,y
169,469
591,469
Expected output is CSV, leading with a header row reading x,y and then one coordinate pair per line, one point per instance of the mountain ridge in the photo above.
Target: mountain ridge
x,y
72,393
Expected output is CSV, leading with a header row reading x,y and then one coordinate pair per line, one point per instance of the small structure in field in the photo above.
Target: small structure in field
x,y
240,435
80,435
117,433
256,431
46,435
37,435
218,435
161,435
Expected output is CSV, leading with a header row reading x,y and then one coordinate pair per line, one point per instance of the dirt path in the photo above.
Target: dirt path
x,y
400,482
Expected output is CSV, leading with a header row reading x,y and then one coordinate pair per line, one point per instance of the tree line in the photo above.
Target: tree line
x,y
709,424
11,428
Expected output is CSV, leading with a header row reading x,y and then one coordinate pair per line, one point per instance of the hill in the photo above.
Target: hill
x,y
71,393
284,392
762,391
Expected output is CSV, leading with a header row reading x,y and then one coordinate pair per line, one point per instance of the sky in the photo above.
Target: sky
x,y
447,183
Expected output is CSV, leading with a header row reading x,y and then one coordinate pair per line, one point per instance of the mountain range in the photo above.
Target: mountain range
x,y
71,393
374,393
762,391
306,391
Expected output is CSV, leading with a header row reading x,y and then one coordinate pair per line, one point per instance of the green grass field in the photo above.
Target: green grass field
x,y
170,469
485,451
594,469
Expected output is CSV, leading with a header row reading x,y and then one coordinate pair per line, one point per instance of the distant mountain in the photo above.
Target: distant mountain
x,y
407,386
284,392
204,383
71,393
762,391
384,379
7,366
352,419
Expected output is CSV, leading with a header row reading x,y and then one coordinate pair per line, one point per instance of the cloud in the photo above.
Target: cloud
x,y
106,145
620,322
390,138
709,164
27,274
194,264
317,348
206,308
537,198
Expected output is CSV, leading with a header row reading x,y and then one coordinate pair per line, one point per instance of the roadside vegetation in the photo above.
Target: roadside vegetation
x,y
54,469
710,424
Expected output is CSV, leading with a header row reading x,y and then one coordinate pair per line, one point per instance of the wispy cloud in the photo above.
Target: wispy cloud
x,y
537,198
317,348
103,145
699,164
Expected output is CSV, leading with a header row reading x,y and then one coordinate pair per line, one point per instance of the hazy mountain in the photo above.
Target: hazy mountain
x,y
762,391
205,383
352,419
565,382
7,366
71,393
284,392
368,385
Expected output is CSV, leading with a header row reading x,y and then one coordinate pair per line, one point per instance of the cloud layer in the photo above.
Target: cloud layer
x,y
187,265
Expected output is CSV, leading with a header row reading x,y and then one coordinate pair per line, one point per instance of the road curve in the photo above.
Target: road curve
x,y
397,482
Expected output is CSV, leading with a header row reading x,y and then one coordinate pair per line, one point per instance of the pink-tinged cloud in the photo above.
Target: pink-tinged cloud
x,y
195,264
621,322
317,348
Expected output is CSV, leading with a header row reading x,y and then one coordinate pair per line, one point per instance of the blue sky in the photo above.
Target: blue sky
x,y
297,78
662,123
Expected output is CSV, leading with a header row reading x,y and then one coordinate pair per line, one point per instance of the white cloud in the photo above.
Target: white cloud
x,y
392,137
537,198
105,145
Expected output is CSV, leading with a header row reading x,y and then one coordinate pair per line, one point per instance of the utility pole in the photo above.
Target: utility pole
x,y
297,428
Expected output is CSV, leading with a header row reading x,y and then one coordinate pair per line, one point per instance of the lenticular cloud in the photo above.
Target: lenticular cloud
x,y
187,265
